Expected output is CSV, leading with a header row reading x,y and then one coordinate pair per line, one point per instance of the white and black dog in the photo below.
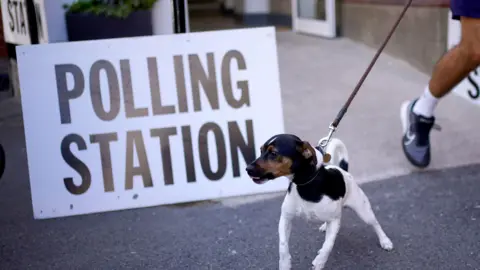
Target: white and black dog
x,y
319,189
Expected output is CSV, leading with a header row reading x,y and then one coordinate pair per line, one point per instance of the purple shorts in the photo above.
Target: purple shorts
x,y
465,8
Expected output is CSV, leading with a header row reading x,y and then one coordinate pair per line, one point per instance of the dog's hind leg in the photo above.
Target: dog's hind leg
x,y
332,228
360,203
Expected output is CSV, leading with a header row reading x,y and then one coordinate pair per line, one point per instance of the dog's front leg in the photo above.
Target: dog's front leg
x,y
332,228
284,229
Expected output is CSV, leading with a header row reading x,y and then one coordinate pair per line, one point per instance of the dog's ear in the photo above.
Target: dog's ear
x,y
308,152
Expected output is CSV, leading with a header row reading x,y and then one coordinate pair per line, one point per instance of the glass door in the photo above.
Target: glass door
x,y
314,17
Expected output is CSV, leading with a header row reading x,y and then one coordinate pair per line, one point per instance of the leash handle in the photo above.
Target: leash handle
x,y
344,109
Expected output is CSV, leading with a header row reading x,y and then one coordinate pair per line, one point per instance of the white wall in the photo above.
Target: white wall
x,y
55,17
454,31
162,17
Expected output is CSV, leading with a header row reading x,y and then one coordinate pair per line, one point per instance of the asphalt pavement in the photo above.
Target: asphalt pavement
x,y
432,216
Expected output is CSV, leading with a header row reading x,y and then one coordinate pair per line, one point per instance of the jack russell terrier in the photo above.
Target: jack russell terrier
x,y
319,188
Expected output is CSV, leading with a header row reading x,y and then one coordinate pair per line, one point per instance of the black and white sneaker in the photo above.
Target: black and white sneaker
x,y
416,135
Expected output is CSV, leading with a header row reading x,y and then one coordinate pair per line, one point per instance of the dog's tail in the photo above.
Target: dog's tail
x,y
338,152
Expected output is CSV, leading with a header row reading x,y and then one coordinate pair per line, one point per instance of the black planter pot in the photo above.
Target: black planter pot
x,y
86,26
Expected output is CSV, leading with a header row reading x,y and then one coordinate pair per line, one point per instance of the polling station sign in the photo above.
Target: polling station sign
x,y
136,122
468,88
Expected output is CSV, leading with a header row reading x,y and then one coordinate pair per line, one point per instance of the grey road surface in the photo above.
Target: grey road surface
x,y
432,218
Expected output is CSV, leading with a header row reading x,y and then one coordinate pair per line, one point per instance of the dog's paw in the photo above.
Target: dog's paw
x,y
285,265
318,263
323,228
386,244
285,262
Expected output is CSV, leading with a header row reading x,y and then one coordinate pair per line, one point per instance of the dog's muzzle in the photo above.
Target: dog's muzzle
x,y
256,174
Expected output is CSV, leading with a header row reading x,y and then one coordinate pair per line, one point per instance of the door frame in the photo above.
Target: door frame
x,y
324,28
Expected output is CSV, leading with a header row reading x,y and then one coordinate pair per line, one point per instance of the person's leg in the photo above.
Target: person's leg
x,y
418,115
452,68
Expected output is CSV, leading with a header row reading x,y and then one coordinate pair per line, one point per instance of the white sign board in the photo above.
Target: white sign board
x,y
136,122
469,88
15,21
41,19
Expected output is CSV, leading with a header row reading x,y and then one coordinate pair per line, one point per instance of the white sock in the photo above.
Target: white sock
x,y
426,104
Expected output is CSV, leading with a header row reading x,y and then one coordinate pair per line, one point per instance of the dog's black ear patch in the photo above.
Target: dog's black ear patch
x,y
308,152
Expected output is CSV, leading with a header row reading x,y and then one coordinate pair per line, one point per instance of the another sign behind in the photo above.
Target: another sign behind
x,y
41,21
137,122
469,88
15,21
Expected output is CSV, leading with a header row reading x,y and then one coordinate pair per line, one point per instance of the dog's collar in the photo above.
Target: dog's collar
x,y
320,149
311,179
325,156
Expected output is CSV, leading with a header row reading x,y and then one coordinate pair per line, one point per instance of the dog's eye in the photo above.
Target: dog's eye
x,y
273,154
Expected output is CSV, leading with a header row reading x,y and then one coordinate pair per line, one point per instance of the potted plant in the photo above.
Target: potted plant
x,y
102,19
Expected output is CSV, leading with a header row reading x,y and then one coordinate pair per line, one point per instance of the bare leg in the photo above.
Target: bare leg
x,y
455,65
418,116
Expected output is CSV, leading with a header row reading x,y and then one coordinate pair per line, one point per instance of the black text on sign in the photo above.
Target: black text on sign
x,y
203,80
17,17
473,89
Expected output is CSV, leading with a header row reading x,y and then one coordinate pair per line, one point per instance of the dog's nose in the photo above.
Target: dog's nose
x,y
250,168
